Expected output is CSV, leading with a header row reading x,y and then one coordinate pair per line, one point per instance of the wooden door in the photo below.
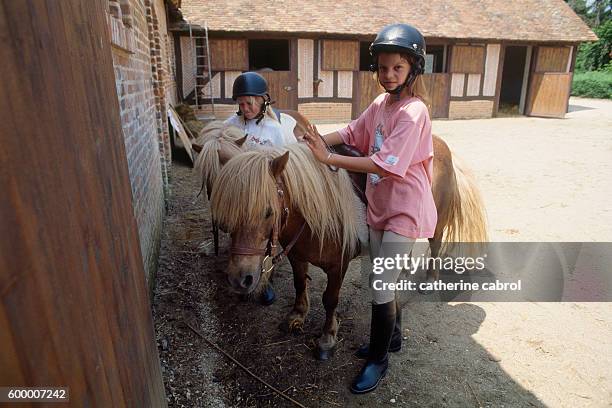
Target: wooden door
x,y
550,82
367,90
548,94
281,85
74,305
438,86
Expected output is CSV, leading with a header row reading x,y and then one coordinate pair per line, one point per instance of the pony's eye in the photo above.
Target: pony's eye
x,y
268,212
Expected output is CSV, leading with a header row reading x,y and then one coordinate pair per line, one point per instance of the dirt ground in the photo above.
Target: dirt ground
x,y
542,180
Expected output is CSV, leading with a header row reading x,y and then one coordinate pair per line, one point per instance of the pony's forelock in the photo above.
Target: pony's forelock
x,y
245,189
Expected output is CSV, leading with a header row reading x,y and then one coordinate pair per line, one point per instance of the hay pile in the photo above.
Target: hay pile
x,y
189,118
186,112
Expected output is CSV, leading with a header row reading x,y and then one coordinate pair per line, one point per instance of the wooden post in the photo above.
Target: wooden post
x,y
74,307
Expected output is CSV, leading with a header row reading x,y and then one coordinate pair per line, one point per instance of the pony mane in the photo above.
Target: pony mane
x,y
215,136
245,189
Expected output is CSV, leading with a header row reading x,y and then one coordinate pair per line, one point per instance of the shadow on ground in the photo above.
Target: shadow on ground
x,y
577,108
439,365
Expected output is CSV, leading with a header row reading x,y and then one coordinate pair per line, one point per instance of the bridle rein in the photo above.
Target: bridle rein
x,y
270,257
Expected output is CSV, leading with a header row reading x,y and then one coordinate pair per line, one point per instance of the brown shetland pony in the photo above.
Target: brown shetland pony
x,y
455,193
265,196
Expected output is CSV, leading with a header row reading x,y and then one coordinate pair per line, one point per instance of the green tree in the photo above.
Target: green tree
x,y
601,10
596,56
593,12
580,7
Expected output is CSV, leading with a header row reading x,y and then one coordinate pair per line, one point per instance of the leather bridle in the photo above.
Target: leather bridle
x,y
270,257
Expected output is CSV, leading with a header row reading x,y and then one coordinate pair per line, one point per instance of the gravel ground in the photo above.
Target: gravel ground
x,y
542,180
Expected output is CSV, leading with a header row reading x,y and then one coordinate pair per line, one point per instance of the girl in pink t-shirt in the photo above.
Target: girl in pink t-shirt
x,y
394,134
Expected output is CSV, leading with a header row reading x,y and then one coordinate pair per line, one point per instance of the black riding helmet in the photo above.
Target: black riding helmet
x,y
403,39
249,84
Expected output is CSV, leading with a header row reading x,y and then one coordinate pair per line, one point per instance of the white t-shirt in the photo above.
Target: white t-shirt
x,y
267,133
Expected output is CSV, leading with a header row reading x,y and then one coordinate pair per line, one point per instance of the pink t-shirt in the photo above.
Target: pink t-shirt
x,y
397,138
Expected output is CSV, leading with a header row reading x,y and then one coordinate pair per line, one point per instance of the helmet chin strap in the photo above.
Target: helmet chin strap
x,y
262,113
397,91
264,109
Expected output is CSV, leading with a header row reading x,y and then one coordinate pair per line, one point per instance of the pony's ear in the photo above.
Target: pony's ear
x,y
240,141
278,165
197,148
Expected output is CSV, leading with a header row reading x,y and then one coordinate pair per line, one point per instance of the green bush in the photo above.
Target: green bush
x,y
595,84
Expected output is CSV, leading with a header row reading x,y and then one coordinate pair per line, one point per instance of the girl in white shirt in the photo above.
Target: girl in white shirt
x,y
254,115
259,122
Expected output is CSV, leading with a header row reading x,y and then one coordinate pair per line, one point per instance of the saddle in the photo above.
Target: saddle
x,y
358,179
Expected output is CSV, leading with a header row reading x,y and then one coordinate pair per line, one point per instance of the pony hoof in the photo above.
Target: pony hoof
x,y
295,326
324,355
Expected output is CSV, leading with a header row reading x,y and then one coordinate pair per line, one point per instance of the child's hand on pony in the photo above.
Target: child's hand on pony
x,y
317,145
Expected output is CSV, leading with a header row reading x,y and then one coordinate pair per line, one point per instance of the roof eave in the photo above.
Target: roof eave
x,y
184,27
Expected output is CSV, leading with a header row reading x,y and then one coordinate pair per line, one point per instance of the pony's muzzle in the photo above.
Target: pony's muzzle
x,y
243,282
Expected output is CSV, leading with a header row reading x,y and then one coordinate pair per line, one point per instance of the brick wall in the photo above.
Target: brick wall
x,y
470,109
142,59
326,112
163,80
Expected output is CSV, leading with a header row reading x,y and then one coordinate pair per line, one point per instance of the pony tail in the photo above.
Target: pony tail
x,y
466,220
419,90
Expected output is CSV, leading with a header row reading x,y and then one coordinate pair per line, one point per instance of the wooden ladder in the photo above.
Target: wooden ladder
x,y
203,73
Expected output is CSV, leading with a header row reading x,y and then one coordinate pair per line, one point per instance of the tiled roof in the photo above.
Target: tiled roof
x,y
526,20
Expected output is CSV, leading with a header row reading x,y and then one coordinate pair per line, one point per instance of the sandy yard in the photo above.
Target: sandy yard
x,y
542,180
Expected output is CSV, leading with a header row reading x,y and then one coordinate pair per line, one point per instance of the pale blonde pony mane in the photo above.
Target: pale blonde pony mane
x,y
216,135
245,190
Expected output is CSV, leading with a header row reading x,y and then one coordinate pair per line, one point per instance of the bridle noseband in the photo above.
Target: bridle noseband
x,y
271,258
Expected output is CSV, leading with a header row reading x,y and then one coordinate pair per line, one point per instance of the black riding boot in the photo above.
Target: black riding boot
x,y
396,337
375,368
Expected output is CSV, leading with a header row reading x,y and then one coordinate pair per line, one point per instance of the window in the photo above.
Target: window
x,y
269,54
434,59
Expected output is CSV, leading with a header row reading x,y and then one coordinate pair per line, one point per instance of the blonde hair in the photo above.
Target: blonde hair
x,y
269,112
216,136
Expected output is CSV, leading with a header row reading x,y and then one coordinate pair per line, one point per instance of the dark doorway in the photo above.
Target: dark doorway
x,y
512,80
269,55
365,59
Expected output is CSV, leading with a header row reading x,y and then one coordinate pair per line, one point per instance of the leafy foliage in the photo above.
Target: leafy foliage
x,y
596,56
595,84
